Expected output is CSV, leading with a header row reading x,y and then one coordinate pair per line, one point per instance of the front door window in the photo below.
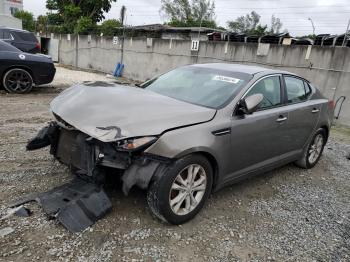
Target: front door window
x,y
270,88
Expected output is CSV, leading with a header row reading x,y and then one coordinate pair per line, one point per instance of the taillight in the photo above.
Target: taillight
x,y
38,46
331,104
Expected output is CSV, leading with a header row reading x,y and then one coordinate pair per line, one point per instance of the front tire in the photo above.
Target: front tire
x,y
179,191
313,151
18,81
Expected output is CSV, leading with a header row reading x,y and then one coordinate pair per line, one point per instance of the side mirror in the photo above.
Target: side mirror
x,y
251,103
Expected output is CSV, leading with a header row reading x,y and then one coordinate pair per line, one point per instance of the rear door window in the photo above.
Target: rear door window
x,y
295,89
26,36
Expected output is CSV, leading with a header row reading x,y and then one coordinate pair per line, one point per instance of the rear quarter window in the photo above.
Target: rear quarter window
x,y
26,36
308,89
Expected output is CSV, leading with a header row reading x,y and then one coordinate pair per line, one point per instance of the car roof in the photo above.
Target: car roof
x,y
248,69
14,29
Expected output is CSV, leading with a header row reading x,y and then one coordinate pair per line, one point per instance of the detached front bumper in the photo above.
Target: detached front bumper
x,y
77,204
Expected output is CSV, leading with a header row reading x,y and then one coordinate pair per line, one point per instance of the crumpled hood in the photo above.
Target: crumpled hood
x,y
113,112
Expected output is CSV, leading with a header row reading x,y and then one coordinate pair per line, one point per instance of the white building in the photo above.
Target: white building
x,y
7,9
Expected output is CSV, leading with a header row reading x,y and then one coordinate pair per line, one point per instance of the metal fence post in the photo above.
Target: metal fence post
x,y
346,34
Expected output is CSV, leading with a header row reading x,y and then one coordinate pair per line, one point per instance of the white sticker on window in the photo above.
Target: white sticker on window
x,y
226,79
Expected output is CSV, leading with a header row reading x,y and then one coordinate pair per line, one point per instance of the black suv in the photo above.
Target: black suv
x,y
22,39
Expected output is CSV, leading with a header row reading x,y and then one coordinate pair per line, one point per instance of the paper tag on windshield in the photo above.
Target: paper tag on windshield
x,y
226,79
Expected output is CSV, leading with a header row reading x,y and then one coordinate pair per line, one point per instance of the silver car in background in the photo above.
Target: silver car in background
x,y
189,132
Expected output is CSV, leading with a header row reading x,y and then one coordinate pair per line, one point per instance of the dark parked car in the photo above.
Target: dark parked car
x,y
22,39
20,71
189,132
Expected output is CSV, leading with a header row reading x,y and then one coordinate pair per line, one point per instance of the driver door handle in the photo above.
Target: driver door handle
x,y
281,119
315,110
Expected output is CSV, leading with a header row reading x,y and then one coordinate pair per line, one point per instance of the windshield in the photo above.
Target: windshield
x,y
198,85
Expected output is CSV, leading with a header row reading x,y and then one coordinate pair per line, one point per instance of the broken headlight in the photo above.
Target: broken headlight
x,y
133,144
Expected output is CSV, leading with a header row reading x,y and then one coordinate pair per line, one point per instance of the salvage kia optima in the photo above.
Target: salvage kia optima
x,y
189,132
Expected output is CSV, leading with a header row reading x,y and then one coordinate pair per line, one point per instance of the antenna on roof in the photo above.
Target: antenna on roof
x,y
346,34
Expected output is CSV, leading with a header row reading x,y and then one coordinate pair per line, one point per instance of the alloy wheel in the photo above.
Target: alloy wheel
x,y
18,81
316,148
188,189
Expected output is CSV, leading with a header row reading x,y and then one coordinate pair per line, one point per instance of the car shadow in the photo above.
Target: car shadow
x,y
239,194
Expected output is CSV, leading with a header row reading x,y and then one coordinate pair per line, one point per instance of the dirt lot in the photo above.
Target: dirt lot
x,y
286,215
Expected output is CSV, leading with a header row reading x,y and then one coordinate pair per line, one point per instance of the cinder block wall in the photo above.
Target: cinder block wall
x,y
327,67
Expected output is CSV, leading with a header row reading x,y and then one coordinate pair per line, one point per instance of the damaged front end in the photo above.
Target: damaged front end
x,y
85,155
88,158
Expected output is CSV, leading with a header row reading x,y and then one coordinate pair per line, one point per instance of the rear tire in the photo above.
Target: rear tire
x,y
18,81
313,151
179,191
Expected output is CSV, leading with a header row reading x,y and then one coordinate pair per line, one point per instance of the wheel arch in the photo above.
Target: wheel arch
x,y
210,156
326,129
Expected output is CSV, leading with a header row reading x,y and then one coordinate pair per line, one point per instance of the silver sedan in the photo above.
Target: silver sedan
x,y
189,132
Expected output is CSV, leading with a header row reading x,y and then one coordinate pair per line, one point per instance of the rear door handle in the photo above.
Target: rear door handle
x,y
281,119
315,110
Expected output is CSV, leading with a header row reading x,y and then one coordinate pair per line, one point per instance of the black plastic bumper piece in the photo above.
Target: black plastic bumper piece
x,y
46,136
77,204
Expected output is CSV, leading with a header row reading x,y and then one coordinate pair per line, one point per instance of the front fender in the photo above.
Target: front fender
x,y
198,138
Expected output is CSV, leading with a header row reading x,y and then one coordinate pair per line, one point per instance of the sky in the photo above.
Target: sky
x,y
328,16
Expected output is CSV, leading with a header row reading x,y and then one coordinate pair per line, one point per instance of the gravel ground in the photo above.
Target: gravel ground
x,y
289,214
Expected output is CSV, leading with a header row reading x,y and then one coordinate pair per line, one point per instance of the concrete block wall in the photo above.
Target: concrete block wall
x,y
327,67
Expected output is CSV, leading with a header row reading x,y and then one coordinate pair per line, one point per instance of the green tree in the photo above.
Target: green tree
x,y
311,36
108,27
250,24
78,15
27,20
260,30
93,9
84,26
41,23
55,19
276,25
192,23
245,24
184,13
56,23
